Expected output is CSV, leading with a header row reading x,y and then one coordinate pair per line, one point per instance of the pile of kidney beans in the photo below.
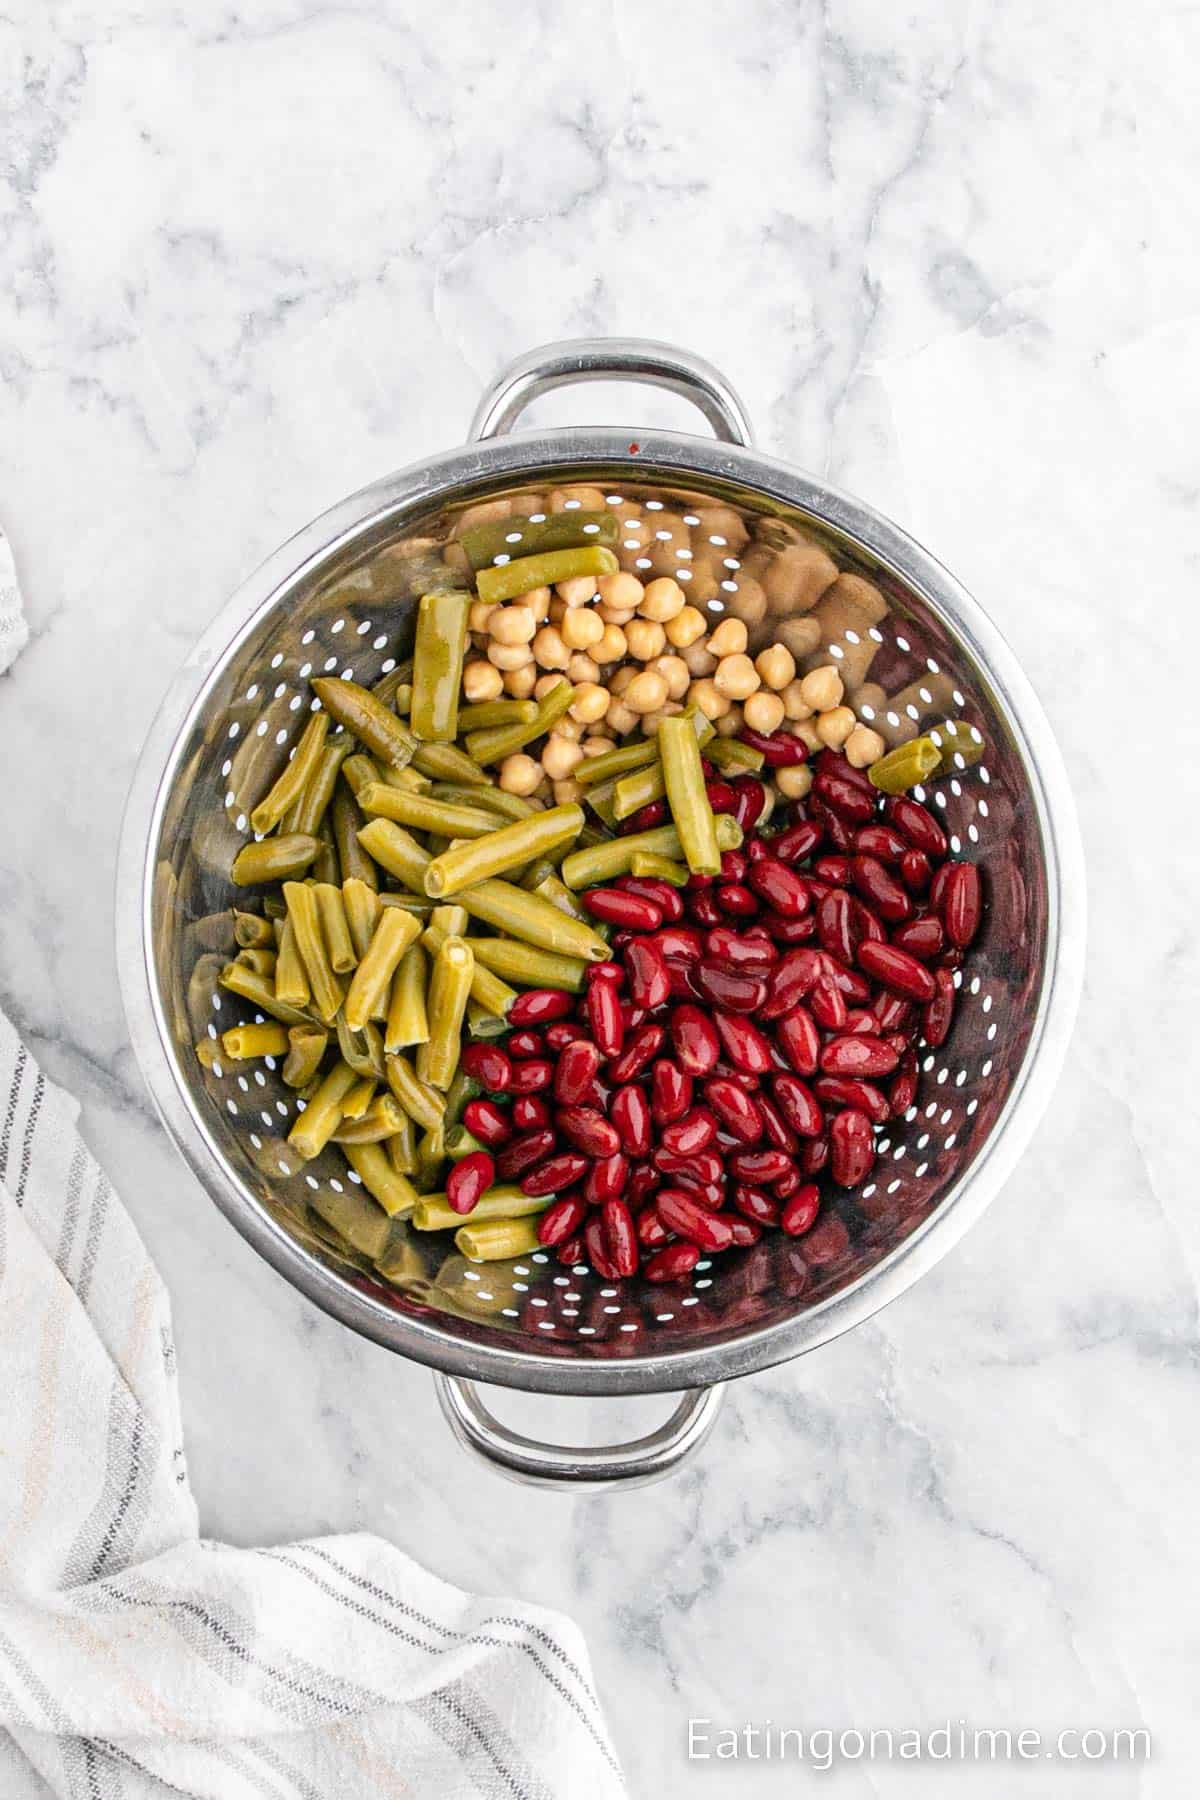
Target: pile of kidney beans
x,y
750,1034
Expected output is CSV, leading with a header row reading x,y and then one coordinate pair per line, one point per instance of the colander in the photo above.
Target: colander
x,y
339,597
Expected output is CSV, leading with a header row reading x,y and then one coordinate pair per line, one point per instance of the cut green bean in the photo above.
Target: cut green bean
x,y
602,799
452,919
291,976
261,961
325,865
394,1192
446,762
487,989
482,1025
372,981
246,1043
363,1225
496,1240
389,685
433,1212
733,757
437,665
348,820
507,581
335,927
398,852
462,1089
460,1142
420,813
306,1047
494,745
660,868
508,848
322,1116
449,991
379,731
363,1050
960,746
310,809
306,925
637,789
235,978
557,893
359,1098
407,1020
251,932
535,921
421,1102
686,795
431,1156
274,859
495,712
361,903
532,537
528,966
402,1147
604,862
419,905
291,784
614,763
491,799
377,1122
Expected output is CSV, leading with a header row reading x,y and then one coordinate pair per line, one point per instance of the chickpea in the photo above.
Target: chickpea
x,y
663,600
482,681
537,601
557,611
567,792
560,756
549,648
646,692
730,723
512,625
509,656
822,689
776,665
806,731
581,628
568,499
482,513
674,672
686,627
569,728
582,668
863,747
795,782
478,614
699,660
519,683
621,679
615,615
578,590
623,592
835,726
598,746
652,720
455,557
708,697
590,702
519,774
764,712
729,639
620,718
646,639
794,704
736,677
612,646
545,684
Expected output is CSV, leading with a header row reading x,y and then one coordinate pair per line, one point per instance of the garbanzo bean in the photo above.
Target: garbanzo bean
x,y
620,679
512,625
581,628
612,646
598,746
560,756
482,681
509,656
569,728
519,774
835,726
674,672
822,689
478,614
519,683
567,792
863,747
794,782
590,702
686,627
699,659
730,723
736,677
651,721
582,668
764,712
537,601
545,684
795,706
777,666
806,731
729,639
646,692
646,639
663,600
708,697
620,718
549,649
578,590
576,498
622,592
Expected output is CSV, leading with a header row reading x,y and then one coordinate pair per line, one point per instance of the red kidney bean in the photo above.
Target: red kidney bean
x,y
735,902
530,1077
922,938
879,887
854,988
729,988
799,841
649,983
776,1130
814,1155
694,1036
577,1068
524,1044
618,908
668,899
612,971
938,886
488,1065
827,1005
643,1181
650,1229
790,982
539,1006
800,1213
890,1010
630,1114
950,959
788,1184
556,1173
916,871
588,1130
670,1091
703,908
839,833
792,931
756,849
672,1264
742,1232
939,1012
756,1205
596,1248
739,951
733,866
860,1023
679,975
897,970
487,1122
695,1131
798,1105
845,798
866,927
915,823
721,796
962,903
778,749
570,1250
561,1033
834,870
835,925
753,1167
680,1213
880,841
902,1090
561,1222
751,801
852,1091
607,1180
798,1038
468,1180
736,1110
641,1047
744,1043
782,889
647,818
619,1236
704,1168
521,1153
605,1017
867,1057
678,943
851,1148
833,762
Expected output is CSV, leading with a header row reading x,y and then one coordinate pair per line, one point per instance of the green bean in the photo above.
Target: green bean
x,y
274,859
363,1050
348,820
449,991
306,926
421,1102
452,919
322,1116
235,978
420,813
505,740
431,1154
325,865
506,581
535,921
529,966
491,799
603,801
905,766
251,932
483,1025
487,989
402,1147
499,1240
616,762
208,1054
291,783
433,1212
637,789
525,537
308,811
495,712
558,894
389,685
394,1192
734,757
335,927
306,1047
686,796
961,745
375,1125
261,961
403,698
446,762
604,862
361,904
462,1089
437,665
660,868
460,1142
407,1020
377,730
291,976
508,848
246,1043
397,852
369,989
358,1220
419,905
359,1098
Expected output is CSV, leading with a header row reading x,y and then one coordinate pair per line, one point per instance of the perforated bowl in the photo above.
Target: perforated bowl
x,y
339,598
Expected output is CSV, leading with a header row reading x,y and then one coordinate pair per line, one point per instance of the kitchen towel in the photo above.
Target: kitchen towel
x,y
139,1659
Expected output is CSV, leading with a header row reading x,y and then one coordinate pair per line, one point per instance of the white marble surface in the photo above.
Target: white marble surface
x,y
256,254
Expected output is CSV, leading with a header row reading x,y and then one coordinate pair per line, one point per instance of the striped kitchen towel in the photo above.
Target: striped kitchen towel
x,y
138,1659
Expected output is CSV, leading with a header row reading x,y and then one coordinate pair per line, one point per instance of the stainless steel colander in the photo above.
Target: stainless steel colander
x,y
736,528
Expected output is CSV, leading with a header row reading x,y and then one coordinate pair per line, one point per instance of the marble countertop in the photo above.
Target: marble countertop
x,y
255,256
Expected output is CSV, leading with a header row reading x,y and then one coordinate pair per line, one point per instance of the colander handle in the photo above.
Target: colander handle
x,y
608,359
589,1467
